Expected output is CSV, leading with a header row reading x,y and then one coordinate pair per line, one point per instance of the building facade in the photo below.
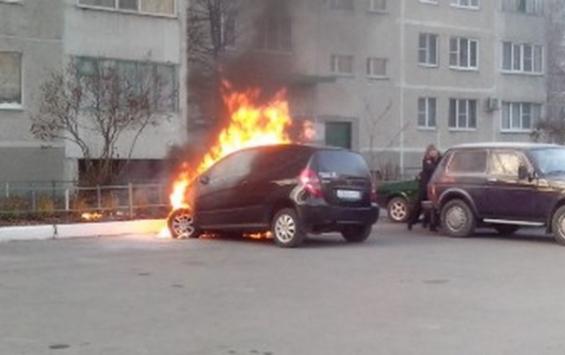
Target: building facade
x,y
387,78
41,37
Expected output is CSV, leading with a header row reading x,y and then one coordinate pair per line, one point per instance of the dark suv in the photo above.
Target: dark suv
x,y
501,185
288,189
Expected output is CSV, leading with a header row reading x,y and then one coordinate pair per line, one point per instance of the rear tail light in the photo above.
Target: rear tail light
x,y
311,182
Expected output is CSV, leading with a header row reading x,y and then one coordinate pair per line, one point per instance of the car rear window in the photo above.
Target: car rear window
x,y
468,161
341,163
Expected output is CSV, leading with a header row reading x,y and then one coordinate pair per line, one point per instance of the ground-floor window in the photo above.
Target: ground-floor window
x,y
338,134
10,79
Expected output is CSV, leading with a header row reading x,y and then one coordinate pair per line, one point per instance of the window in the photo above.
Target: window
x,y
161,79
529,7
470,4
338,134
463,53
10,80
275,34
427,112
520,116
377,5
522,58
341,64
462,114
428,49
156,7
376,67
505,163
468,161
342,4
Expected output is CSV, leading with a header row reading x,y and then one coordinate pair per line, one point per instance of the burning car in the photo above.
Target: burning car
x,y
287,189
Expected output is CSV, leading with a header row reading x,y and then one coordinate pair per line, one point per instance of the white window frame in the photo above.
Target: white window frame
x,y
429,2
536,7
20,105
459,4
370,68
512,105
521,48
427,113
11,1
376,9
426,48
458,113
116,8
334,64
458,66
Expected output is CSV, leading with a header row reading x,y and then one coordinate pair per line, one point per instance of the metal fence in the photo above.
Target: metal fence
x,y
67,197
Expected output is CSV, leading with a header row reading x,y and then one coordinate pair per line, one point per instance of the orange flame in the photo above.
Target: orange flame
x,y
91,216
251,124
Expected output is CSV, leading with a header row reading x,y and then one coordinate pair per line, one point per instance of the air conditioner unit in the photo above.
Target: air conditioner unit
x,y
493,104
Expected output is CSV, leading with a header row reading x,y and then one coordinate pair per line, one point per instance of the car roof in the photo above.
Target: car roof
x,y
509,145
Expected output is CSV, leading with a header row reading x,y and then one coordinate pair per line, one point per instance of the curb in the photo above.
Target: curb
x,y
82,230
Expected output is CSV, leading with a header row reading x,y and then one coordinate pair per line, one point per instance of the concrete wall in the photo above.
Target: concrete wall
x,y
22,157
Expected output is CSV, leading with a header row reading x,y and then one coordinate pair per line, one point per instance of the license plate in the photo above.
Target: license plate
x,y
349,194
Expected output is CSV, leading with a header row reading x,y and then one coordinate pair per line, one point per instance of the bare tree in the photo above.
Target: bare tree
x,y
552,128
211,31
95,110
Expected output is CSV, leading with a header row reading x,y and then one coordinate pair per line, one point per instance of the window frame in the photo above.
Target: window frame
x,y
534,50
377,10
20,105
457,4
154,67
467,115
426,112
334,64
512,6
369,65
426,48
511,105
139,12
458,51
429,2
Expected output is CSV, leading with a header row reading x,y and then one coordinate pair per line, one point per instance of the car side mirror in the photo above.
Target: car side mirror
x,y
204,179
524,174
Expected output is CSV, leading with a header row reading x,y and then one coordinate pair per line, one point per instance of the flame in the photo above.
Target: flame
x,y
251,124
91,216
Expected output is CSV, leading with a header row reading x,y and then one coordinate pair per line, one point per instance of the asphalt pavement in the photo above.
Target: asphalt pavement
x,y
399,293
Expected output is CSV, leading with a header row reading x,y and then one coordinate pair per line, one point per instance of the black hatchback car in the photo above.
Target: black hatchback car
x,y
501,185
288,189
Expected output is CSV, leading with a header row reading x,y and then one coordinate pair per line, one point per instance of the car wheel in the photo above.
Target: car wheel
x,y
398,210
506,229
356,234
457,219
287,229
558,225
181,224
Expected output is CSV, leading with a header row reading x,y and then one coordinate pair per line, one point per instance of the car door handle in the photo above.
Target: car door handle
x,y
492,179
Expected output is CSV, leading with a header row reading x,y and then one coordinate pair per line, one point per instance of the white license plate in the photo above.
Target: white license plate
x,y
349,194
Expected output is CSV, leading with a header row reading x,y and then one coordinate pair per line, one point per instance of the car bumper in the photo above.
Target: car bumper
x,y
326,217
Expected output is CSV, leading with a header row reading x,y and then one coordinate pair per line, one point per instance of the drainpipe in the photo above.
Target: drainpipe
x,y
402,82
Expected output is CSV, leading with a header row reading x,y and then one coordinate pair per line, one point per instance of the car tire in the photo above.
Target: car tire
x,y
287,229
356,234
181,224
457,219
398,210
506,229
558,225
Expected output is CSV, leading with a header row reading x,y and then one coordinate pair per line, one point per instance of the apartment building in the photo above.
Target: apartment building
x,y
389,77
40,37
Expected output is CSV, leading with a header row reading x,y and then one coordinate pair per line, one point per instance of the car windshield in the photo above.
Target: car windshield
x,y
550,161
